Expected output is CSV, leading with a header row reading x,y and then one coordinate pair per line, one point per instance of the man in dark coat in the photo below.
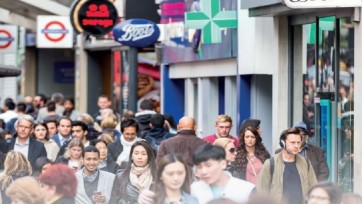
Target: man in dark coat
x,y
184,143
157,133
30,147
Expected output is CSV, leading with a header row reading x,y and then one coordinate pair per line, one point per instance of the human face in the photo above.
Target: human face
x,y
75,152
40,132
223,128
306,100
293,143
91,161
139,156
173,175
103,103
78,132
249,139
52,128
230,152
211,171
45,167
68,105
129,134
318,196
65,127
24,129
103,150
37,101
348,133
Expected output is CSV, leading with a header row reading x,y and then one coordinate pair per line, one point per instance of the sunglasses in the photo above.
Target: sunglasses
x,y
232,150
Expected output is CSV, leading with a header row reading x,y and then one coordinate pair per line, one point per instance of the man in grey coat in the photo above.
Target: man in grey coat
x,y
94,185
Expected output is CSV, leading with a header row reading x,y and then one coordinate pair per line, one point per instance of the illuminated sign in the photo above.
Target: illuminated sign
x,y
136,32
322,3
94,17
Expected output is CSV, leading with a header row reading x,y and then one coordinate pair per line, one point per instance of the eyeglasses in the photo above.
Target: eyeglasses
x,y
232,150
23,127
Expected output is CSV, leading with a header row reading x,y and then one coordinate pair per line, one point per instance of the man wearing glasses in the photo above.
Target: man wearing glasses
x,y
22,142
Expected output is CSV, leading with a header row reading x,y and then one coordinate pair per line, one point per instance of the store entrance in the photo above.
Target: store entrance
x,y
323,63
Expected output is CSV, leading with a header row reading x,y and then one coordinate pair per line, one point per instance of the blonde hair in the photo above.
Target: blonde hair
x,y
76,142
223,119
26,189
222,142
15,165
109,121
106,137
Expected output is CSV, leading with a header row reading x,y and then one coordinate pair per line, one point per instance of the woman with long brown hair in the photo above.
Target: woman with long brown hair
x,y
173,181
251,154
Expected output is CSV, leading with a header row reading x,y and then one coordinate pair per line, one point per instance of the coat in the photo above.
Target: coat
x,y
105,186
318,160
184,143
274,185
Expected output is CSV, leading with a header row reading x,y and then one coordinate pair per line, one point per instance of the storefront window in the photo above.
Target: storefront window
x,y
346,105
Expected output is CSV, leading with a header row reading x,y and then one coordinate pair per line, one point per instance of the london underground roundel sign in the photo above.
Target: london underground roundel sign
x,y
5,39
55,31
94,17
136,33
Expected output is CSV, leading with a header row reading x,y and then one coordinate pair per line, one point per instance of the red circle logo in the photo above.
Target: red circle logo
x,y
55,31
6,37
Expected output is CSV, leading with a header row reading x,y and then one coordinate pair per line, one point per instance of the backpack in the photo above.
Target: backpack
x,y
272,166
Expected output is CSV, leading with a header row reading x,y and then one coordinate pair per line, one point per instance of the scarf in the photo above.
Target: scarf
x,y
141,177
124,156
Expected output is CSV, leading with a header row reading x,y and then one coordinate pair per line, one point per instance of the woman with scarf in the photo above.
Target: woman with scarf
x,y
16,166
138,175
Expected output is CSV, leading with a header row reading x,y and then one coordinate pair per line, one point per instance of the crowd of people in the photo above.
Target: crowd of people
x,y
51,153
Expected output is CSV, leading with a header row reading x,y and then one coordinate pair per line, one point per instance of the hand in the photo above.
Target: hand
x,y
99,198
146,197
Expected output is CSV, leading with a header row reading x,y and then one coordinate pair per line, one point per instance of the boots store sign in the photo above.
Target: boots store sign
x,y
297,4
136,33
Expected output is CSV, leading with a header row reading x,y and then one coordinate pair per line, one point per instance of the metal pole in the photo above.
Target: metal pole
x,y
133,80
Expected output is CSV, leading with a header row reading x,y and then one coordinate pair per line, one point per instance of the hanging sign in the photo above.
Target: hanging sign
x,y
322,3
94,17
54,32
136,33
8,38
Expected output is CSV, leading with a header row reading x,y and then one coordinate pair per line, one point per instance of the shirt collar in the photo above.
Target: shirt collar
x,y
92,177
26,143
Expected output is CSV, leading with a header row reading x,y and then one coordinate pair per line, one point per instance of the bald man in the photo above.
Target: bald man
x,y
184,143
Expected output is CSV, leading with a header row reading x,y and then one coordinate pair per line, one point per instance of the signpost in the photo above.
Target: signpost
x,y
54,32
211,20
299,4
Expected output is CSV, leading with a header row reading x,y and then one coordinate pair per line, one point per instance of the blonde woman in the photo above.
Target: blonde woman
x,y
15,166
73,155
230,150
26,190
108,125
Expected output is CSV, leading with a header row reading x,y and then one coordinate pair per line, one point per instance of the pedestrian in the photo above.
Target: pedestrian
x,y
69,109
41,134
324,193
104,163
223,125
214,183
230,150
73,155
251,155
139,174
59,184
314,154
41,165
173,182
157,133
184,143
94,185
255,123
15,166
25,190
287,175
